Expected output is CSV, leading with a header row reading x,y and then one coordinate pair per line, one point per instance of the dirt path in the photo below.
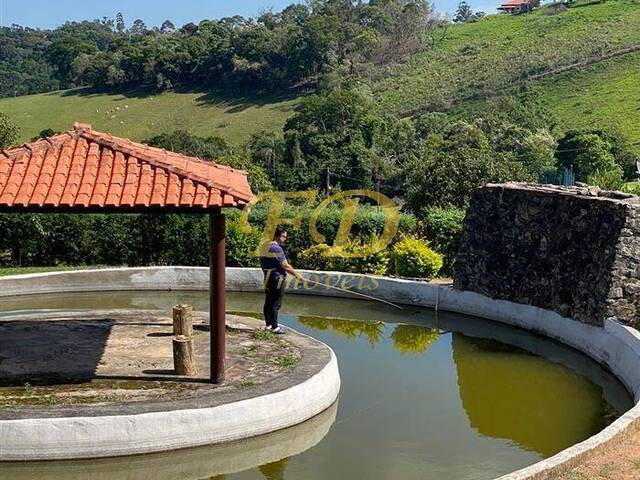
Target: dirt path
x,y
620,462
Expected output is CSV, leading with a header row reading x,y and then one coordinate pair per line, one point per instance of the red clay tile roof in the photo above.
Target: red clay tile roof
x,y
514,4
82,169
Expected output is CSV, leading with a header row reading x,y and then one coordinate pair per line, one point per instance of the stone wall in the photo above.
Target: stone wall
x,y
572,250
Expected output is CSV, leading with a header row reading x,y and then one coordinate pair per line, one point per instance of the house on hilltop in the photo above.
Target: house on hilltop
x,y
518,6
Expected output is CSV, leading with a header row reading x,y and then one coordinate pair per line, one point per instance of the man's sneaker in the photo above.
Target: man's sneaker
x,y
268,327
278,331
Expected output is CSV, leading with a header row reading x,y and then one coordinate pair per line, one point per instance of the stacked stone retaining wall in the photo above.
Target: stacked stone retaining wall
x,y
572,250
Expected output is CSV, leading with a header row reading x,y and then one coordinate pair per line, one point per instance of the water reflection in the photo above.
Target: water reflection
x,y
413,338
352,329
406,338
268,452
511,394
424,396
274,470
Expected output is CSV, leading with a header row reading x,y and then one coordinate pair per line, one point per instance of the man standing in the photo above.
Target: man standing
x,y
275,267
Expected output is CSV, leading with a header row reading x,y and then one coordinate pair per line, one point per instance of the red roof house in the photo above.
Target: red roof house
x,y
519,6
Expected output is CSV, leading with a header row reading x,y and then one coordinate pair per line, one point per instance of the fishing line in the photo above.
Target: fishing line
x,y
370,297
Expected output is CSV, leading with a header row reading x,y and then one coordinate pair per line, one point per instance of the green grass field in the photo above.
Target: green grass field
x,y
491,56
604,95
140,115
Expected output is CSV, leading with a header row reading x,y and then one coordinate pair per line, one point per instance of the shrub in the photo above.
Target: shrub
x,y
607,180
368,223
413,258
317,258
376,263
8,132
444,230
631,187
240,246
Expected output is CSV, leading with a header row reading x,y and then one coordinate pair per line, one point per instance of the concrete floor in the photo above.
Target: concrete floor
x,y
61,362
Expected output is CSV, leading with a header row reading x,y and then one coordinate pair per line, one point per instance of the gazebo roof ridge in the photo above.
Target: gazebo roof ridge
x,y
139,150
86,128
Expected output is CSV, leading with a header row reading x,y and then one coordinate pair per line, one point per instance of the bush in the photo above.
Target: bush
x,y
444,230
413,258
8,132
241,245
376,263
607,180
368,223
317,258
631,187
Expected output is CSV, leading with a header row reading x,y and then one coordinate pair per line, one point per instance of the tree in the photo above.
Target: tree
x,y
120,25
167,26
453,165
189,29
537,154
72,40
463,13
338,131
138,27
267,149
8,132
394,27
588,153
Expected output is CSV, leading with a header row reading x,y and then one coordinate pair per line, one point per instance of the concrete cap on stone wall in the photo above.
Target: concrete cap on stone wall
x,y
580,190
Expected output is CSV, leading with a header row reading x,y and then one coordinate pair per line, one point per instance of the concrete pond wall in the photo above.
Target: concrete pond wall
x,y
613,344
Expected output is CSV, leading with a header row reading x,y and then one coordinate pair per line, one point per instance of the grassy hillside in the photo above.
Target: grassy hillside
x,y
488,57
603,95
464,64
139,115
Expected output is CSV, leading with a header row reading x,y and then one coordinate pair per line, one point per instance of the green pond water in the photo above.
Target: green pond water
x,y
424,396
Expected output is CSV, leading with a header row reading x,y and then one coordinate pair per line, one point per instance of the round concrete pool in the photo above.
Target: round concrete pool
x,y
424,395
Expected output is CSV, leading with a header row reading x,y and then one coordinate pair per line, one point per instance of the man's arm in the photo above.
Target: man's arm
x,y
289,269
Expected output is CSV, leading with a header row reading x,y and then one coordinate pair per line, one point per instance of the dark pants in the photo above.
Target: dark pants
x,y
274,290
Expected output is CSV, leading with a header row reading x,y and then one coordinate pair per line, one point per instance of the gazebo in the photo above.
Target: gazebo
x,y
84,172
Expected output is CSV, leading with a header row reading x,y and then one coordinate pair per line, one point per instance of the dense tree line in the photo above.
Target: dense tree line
x,y
339,137
342,139
431,164
273,52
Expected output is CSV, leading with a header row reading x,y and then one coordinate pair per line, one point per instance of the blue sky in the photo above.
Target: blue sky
x,y
50,13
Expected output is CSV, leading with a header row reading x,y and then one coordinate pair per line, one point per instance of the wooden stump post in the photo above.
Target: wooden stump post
x,y
183,360
183,320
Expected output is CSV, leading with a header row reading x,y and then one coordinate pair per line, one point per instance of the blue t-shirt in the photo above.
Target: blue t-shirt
x,y
273,263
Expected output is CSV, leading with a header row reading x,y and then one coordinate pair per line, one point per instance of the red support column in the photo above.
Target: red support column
x,y
217,295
